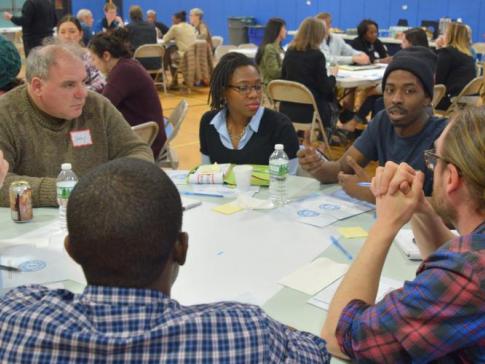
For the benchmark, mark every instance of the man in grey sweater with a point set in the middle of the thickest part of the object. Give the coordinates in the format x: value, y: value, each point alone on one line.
x: 53, y: 119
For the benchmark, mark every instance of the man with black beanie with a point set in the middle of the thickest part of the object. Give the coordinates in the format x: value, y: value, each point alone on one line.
x: 400, y: 133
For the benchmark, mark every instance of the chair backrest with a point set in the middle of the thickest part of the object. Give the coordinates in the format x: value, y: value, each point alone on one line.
x: 177, y: 117
x: 439, y: 92
x: 149, y: 51
x: 291, y: 91
x: 472, y: 88
x: 147, y: 131
x: 217, y: 41
x: 247, y: 45
x: 469, y: 95
x: 222, y: 50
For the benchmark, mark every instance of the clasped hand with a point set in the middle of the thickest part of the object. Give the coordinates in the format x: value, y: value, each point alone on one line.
x: 398, y: 190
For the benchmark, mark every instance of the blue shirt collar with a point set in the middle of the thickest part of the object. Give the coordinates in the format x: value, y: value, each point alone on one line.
x: 219, y: 121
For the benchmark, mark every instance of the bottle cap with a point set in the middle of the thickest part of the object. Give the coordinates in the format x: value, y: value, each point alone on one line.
x: 66, y: 166
x: 279, y: 147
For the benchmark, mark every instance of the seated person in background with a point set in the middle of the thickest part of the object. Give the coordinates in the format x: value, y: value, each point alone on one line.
x: 152, y: 18
x: 129, y: 87
x: 54, y: 119
x: 270, y: 52
x: 85, y: 17
x: 306, y: 64
x: 414, y: 37
x: 126, y: 313
x: 440, y: 315
x: 184, y: 36
x: 111, y: 20
x: 400, y: 133
x: 141, y: 32
x: 336, y: 50
x: 368, y: 42
x: 10, y: 64
x: 456, y: 66
x: 3, y: 168
x: 200, y: 26
x: 69, y: 30
x: 238, y: 129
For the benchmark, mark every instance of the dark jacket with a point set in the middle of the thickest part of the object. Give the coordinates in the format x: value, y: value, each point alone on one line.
x: 141, y: 33
x: 454, y: 70
x: 309, y: 68
x: 374, y: 51
x: 37, y: 21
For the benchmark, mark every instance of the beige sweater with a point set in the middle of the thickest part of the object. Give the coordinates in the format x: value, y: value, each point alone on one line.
x: 183, y: 34
x: 36, y: 144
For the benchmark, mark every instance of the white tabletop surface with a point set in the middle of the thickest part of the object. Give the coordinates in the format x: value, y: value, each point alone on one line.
x: 235, y: 257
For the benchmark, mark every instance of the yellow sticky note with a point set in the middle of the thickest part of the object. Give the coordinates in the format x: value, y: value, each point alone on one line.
x: 227, y: 209
x: 352, y: 232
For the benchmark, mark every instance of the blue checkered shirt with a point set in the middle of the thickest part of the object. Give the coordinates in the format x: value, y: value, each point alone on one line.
x: 119, y: 325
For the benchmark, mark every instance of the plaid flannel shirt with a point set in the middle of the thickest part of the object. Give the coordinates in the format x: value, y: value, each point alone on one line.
x: 439, y: 316
x: 120, y: 325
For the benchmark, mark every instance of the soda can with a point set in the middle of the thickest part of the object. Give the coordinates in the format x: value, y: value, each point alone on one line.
x: 21, y: 201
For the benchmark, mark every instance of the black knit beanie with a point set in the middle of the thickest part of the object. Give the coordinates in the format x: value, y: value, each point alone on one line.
x: 420, y: 61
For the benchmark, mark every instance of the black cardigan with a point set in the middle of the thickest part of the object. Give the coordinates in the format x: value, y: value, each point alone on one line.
x: 360, y: 44
x: 275, y: 128
x: 309, y: 68
x: 454, y: 70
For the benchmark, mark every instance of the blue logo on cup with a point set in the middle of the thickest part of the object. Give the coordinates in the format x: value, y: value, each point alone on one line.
x: 329, y: 206
x: 307, y: 213
x: 32, y: 266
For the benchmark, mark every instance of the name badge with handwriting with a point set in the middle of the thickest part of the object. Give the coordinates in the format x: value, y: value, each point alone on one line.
x: 81, y: 138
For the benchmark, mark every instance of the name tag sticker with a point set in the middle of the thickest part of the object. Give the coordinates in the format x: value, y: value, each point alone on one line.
x: 81, y: 138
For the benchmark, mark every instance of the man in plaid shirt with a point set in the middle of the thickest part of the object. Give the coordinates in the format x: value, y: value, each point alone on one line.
x: 440, y: 315
x: 124, y: 222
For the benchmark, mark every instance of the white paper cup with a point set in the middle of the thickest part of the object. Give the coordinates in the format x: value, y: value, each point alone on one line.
x: 243, y: 177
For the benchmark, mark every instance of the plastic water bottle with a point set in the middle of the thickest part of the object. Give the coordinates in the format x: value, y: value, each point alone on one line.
x: 66, y: 181
x: 278, y: 172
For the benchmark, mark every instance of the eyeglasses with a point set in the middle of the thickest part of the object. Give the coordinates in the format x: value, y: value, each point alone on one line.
x: 431, y: 159
x: 246, y: 89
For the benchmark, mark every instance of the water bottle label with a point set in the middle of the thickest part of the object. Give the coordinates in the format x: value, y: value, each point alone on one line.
x: 64, y: 192
x: 279, y: 170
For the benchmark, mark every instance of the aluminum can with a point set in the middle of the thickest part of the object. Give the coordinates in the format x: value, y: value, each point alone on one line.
x: 21, y: 201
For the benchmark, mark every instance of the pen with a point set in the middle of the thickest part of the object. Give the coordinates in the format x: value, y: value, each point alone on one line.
x: 364, y: 184
x: 202, y: 194
x: 9, y: 268
x: 340, y: 247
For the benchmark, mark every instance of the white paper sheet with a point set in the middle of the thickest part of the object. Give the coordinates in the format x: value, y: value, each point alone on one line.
x: 37, y: 265
x: 314, y: 276
x: 242, y: 255
x: 325, y: 210
x: 323, y: 298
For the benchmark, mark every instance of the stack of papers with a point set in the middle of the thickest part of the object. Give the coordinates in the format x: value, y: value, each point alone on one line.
x: 323, y: 298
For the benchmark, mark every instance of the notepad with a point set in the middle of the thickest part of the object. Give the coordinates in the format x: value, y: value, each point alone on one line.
x: 315, y: 276
x: 228, y: 208
x: 352, y: 232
